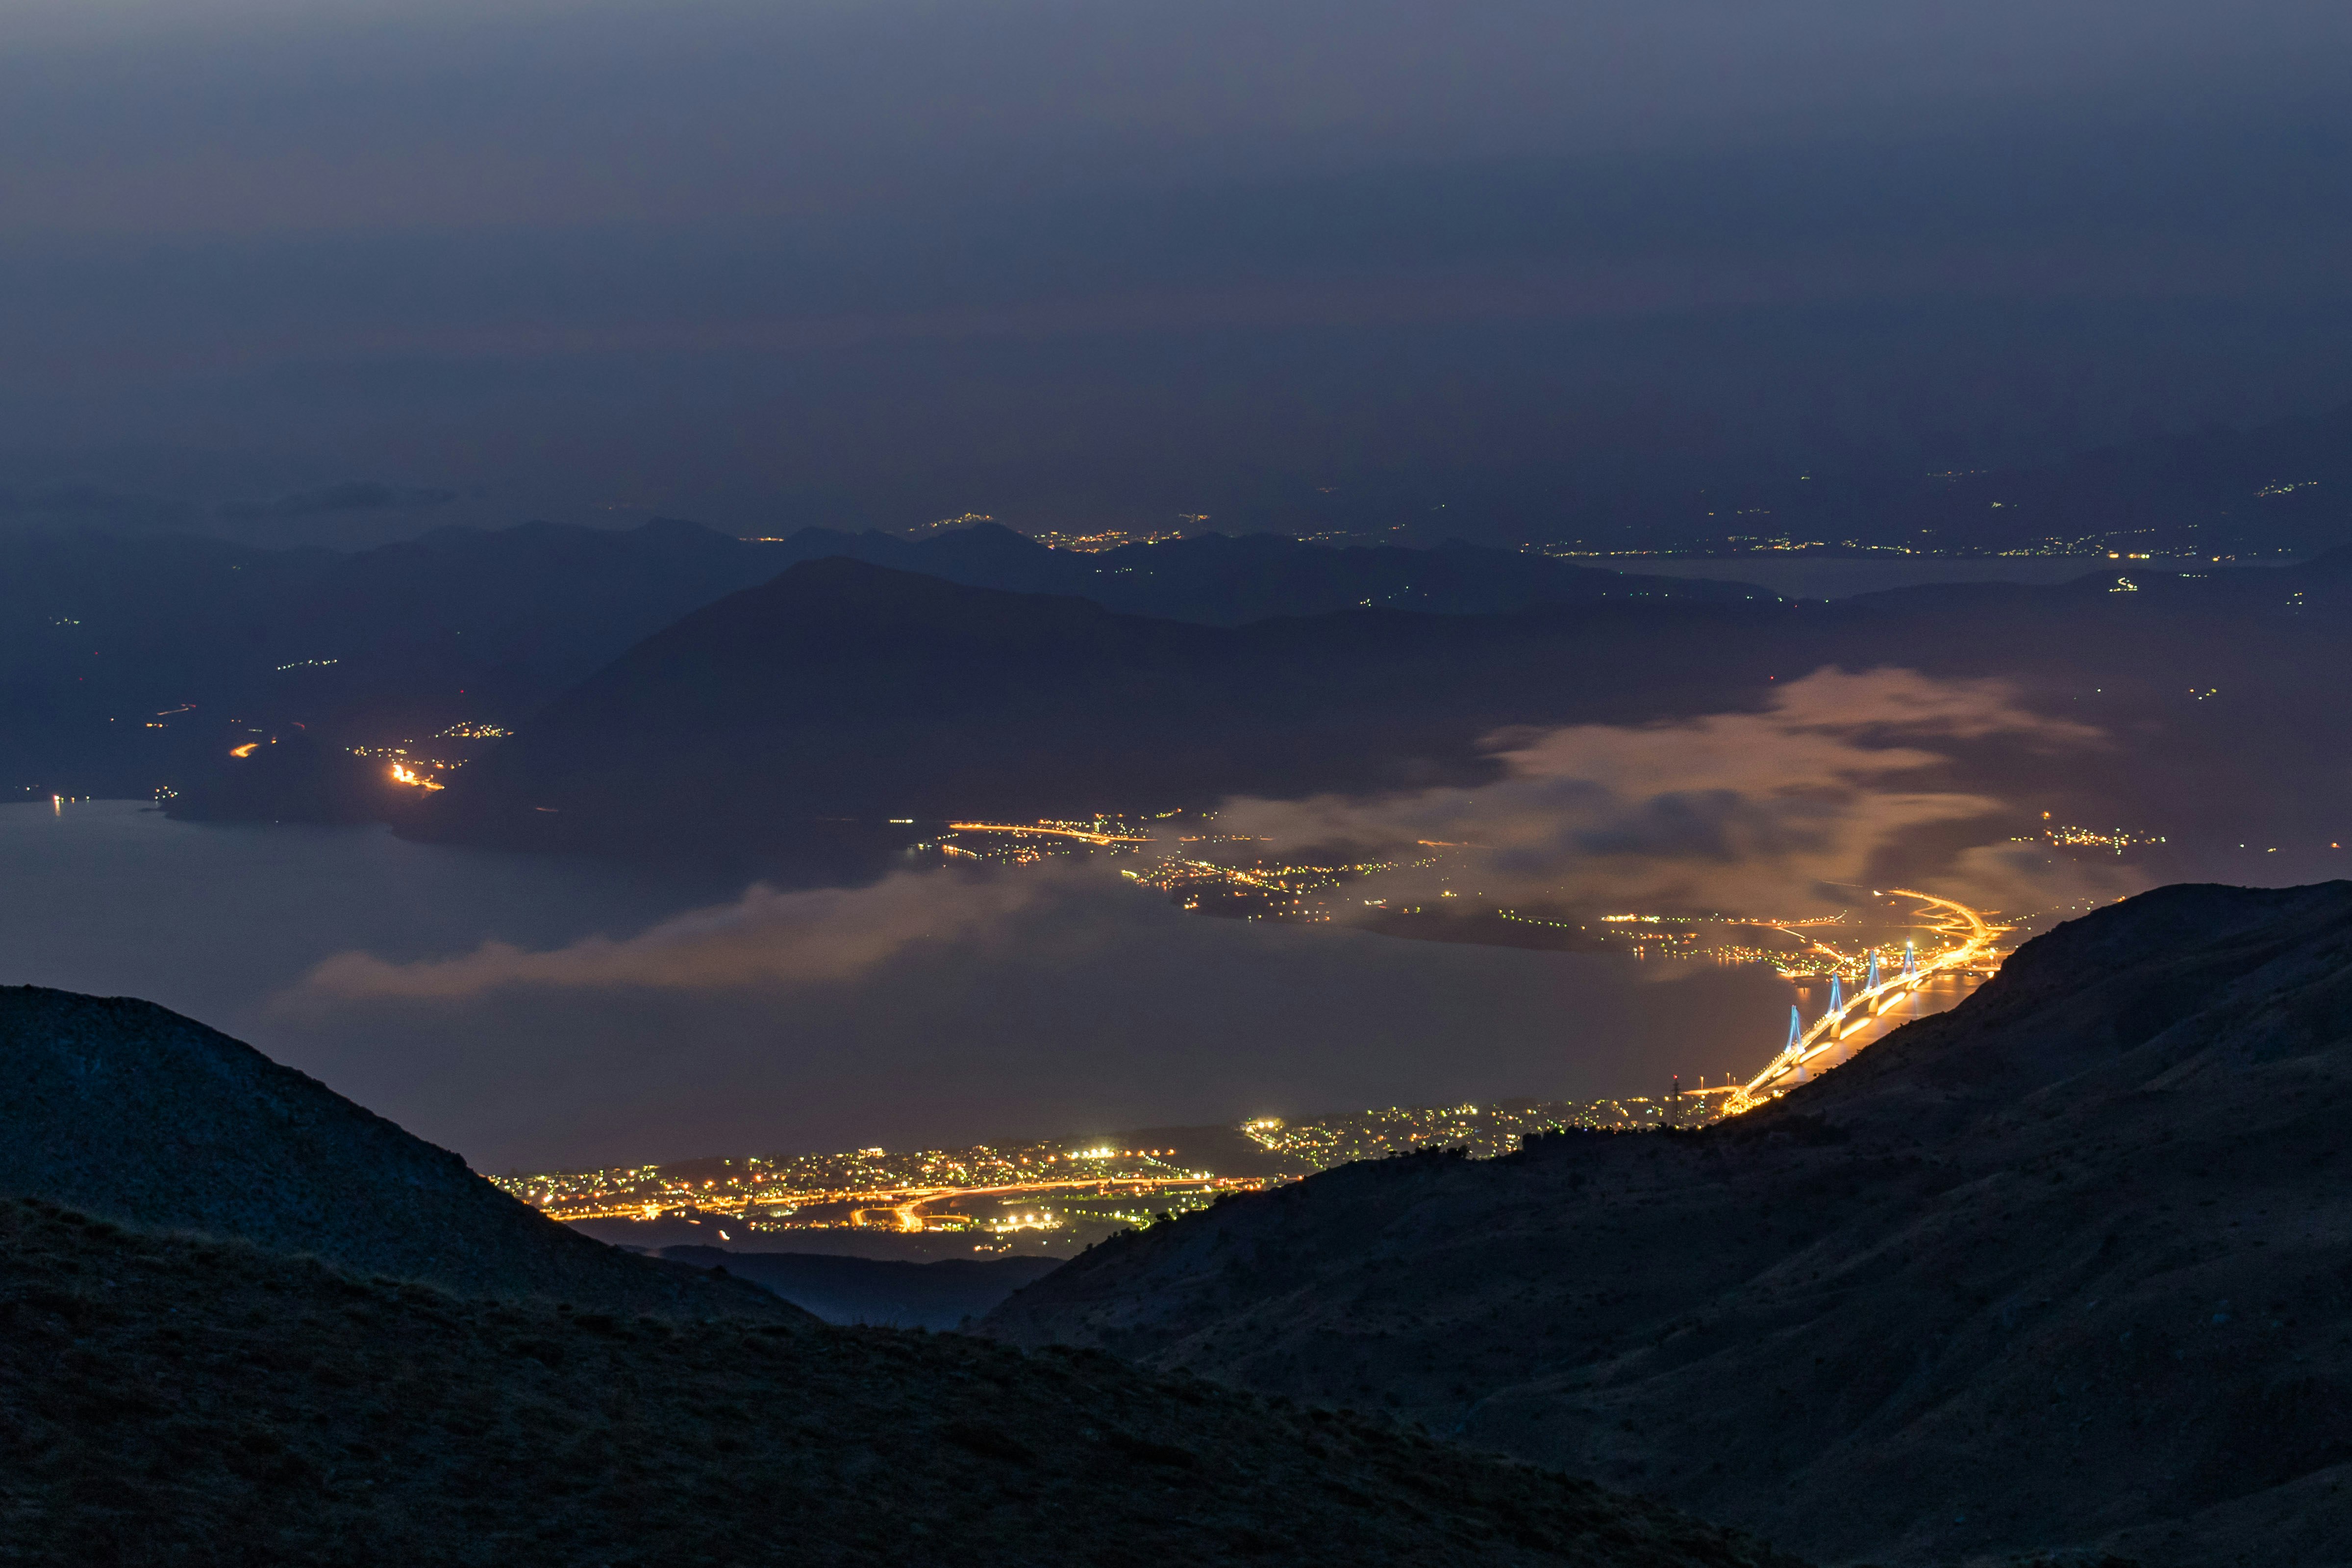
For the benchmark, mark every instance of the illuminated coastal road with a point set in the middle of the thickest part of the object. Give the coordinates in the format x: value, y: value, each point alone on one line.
x: 1824, y: 1044
x: 905, y: 1204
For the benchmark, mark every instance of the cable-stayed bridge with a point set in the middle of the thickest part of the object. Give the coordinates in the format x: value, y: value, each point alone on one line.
x: 1885, y: 986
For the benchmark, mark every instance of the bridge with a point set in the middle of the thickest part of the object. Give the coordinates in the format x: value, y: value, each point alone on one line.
x: 1050, y: 830
x: 1820, y: 1047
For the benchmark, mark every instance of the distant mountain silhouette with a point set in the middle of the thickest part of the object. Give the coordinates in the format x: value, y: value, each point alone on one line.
x: 786, y: 724
x: 1225, y: 582
x: 125, y: 1109
x: 2280, y: 487
x: 2063, y: 1268
x: 808, y: 711
x: 129, y: 663
x: 302, y: 656
x: 126, y: 663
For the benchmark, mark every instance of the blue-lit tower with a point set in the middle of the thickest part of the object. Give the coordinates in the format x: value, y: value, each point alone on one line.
x: 1796, y: 1030
x: 1910, y: 959
x: 1870, y: 981
x: 1837, y: 993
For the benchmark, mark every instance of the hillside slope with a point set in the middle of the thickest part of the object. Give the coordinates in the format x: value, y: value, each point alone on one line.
x: 130, y: 662
x: 127, y: 1109
x: 842, y: 694
x: 169, y: 1400
x: 2069, y: 1265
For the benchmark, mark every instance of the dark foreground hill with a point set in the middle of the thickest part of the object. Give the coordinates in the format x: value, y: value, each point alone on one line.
x: 2070, y: 1266
x: 172, y: 1400
x: 124, y: 1109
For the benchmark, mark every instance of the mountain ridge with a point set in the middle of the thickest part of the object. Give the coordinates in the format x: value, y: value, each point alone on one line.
x: 129, y: 1111
x: 177, y: 1398
x: 2067, y: 1266
x: 844, y: 691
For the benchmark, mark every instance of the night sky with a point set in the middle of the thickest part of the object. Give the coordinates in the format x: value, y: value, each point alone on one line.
x: 331, y: 275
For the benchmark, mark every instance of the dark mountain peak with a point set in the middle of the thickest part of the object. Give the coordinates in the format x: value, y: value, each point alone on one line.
x: 124, y: 1109
x: 982, y: 536
x: 840, y: 612
x: 2159, y: 926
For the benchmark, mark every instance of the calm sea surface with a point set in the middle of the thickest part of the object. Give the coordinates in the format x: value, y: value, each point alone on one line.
x: 1092, y: 1009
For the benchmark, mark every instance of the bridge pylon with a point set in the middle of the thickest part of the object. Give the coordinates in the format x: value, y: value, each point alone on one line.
x: 1837, y: 994
x: 1870, y: 980
x: 1796, y: 1030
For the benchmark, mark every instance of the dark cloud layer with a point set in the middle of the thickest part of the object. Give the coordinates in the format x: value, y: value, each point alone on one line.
x: 860, y: 260
x: 1842, y: 780
x: 1061, y: 995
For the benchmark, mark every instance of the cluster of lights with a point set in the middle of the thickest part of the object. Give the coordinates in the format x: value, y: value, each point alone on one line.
x: 1267, y: 889
x: 2067, y: 835
x: 870, y: 1188
x: 1481, y: 1132
x: 428, y: 773
x: 412, y: 772
x: 1105, y: 539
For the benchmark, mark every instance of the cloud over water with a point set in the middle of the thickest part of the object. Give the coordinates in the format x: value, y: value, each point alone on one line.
x: 1842, y: 779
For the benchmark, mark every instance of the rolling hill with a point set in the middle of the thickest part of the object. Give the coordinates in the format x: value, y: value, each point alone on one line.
x: 130, y: 663
x: 2069, y: 1267
x: 171, y: 1399
x: 124, y: 1110
x: 786, y: 727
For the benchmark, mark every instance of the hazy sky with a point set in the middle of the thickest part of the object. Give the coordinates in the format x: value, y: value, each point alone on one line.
x: 877, y: 260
